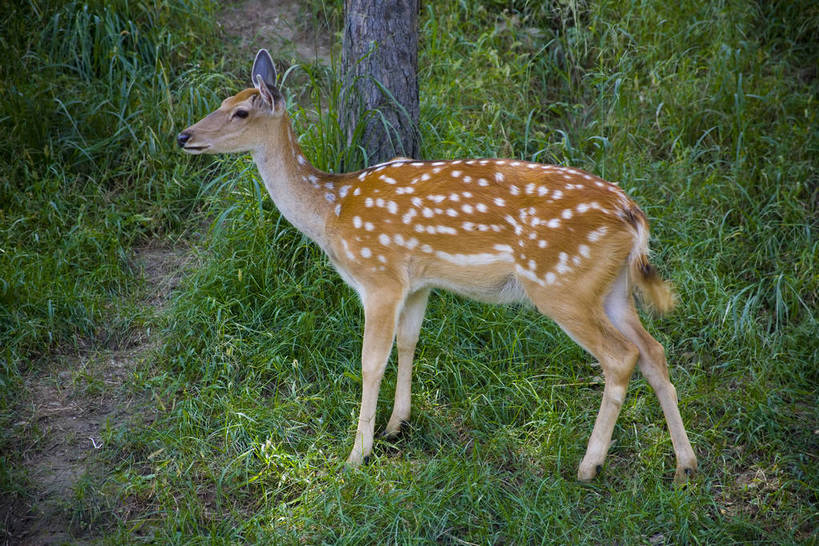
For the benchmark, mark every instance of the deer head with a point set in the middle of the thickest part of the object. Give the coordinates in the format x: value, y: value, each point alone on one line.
x: 243, y: 120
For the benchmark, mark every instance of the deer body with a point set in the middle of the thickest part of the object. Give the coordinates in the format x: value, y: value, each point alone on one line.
x: 495, y: 230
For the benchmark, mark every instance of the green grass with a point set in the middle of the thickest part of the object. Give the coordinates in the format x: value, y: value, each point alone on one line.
x: 705, y: 112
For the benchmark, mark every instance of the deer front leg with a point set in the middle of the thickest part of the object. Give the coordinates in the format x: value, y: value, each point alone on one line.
x: 380, y: 315
x: 409, y: 327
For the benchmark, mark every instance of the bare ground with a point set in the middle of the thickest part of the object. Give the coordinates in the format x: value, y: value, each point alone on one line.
x: 68, y: 405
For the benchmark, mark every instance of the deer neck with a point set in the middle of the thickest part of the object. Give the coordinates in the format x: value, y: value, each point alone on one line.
x: 303, y: 194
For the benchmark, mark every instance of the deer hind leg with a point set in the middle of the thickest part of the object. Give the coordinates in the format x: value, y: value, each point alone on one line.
x: 409, y: 328
x: 619, y: 306
x: 585, y: 321
x: 381, y: 309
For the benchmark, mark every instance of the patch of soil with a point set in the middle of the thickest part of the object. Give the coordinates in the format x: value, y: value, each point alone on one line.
x: 68, y: 406
x: 281, y: 26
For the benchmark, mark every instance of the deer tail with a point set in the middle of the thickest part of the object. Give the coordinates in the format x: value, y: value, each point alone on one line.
x: 654, y: 292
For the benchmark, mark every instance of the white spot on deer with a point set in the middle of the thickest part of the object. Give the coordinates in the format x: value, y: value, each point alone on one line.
x: 384, y: 239
x: 483, y: 258
x: 595, y: 235
x: 553, y: 223
x: 467, y: 179
x: 467, y: 194
x: 456, y: 174
x: 436, y: 170
x: 481, y: 207
x: 438, y: 163
x: 419, y: 228
x: 567, y: 214
x: 382, y: 259
x: 542, y: 243
x: 530, y: 189
x: 562, y: 266
x: 338, y: 210
x: 398, y: 239
x: 583, y: 207
x: 557, y: 194
x: 532, y: 265
x: 366, y: 252
x: 542, y: 190
x: 454, y: 197
x: 357, y: 191
x: 368, y: 202
x: 392, y: 207
x: 584, y: 251
x: 426, y: 248
x: 446, y: 230
x: 388, y: 179
x: 550, y: 278
x: 528, y: 274
x: 409, y: 215
x: 427, y: 212
x: 500, y: 162
x: 425, y: 177
x: 496, y: 228
x: 357, y: 221
x: 467, y: 208
x: 456, y: 162
x: 346, y: 246
x: 451, y: 212
x: 369, y: 226
x: 514, y: 190
x: 379, y: 202
x: 469, y: 226
x: 301, y: 159
x: 576, y: 260
x: 330, y: 197
x: 499, y: 202
x: 417, y: 164
x: 498, y: 174
x: 503, y: 248
x: 436, y: 198
x: 342, y: 191
x: 417, y: 201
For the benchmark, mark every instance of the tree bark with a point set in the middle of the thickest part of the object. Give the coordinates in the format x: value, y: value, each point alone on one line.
x: 379, y: 64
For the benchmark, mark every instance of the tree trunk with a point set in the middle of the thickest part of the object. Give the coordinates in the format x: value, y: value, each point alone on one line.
x: 380, y: 52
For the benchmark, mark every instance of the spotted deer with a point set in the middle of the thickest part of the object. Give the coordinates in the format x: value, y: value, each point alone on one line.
x: 496, y: 230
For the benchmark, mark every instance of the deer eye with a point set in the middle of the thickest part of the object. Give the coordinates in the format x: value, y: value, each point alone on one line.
x: 240, y: 114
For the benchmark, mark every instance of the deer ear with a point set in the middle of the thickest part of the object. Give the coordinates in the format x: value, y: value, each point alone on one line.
x: 263, y: 68
x: 263, y: 75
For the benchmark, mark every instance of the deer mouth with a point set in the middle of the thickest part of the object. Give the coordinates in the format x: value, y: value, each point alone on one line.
x: 194, y: 149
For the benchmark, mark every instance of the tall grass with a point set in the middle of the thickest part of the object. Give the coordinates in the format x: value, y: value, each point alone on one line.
x: 704, y: 112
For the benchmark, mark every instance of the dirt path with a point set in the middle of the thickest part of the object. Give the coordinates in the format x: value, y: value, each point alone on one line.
x: 68, y: 405
x: 61, y: 421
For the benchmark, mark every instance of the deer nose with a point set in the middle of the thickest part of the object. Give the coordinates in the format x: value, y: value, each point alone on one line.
x: 182, y: 138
